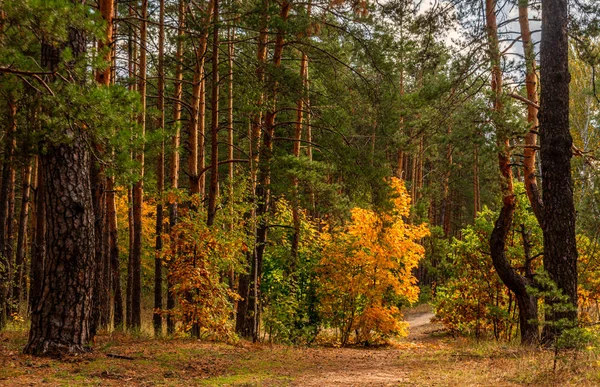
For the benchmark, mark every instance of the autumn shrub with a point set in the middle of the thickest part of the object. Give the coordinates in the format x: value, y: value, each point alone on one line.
x: 473, y: 300
x: 367, y: 271
x: 199, y: 259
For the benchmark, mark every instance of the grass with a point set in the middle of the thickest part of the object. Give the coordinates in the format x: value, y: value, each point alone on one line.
x: 435, y: 361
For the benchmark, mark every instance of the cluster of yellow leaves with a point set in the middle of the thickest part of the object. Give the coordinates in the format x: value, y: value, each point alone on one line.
x: 367, y: 267
x: 197, y: 256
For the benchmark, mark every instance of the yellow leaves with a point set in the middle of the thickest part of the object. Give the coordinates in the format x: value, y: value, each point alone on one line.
x: 368, y: 263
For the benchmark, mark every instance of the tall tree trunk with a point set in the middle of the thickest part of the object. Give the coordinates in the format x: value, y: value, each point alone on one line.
x: 197, y: 123
x: 160, y: 173
x: 175, y: 159
x: 19, y: 283
x: 38, y: 248
x: 230, y: 141
x: 516, y: 283
x: 529, y: 169
x: 296, y: 153
x: 101, y: 310
x: 263, y: 193
x: 476, y: 190
x: 446, y: 204
x: 7, y: 190
x: 560, y: 250
x: 244, y: 316
x: 213, y: 191
x: 115, y: 264
x: 138, y: 189
x: 60, y: 320
x: 132, y: 71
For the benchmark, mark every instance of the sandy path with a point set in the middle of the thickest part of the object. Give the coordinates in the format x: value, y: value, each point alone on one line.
x: 367, y: 367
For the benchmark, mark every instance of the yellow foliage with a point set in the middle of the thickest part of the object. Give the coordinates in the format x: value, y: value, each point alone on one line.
x: 367, y: 268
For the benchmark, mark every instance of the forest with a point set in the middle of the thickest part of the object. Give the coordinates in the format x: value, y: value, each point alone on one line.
x: 299, y: 192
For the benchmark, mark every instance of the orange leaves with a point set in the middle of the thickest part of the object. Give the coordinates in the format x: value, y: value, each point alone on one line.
x: 366, y: 270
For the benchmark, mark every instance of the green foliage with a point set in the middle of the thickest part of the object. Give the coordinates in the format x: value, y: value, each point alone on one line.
x: 289, y: 284
x: 473, y: 300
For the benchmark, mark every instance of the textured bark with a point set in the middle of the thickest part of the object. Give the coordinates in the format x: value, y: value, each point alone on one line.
x: 60, y: 320
x: 515, y: 282
x: 560, y: 252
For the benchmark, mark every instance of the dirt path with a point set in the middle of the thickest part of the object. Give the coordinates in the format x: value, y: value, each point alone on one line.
x: 375, y: 367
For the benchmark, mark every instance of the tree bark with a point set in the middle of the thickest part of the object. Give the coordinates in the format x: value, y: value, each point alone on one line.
x: 560, y: 250
x: 60, y: 320
x: 529, y: 169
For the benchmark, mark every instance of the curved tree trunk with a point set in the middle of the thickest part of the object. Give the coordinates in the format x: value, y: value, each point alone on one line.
x: 515, y: 282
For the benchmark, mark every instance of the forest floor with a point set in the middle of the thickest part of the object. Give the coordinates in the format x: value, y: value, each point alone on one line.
x: 427, y: 357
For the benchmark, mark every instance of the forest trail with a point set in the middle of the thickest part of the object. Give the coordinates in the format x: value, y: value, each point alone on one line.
x: 428, y: 356
x: 373, y: 367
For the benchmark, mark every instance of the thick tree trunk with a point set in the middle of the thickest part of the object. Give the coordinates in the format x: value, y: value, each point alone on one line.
x: 560, y: 250
x: 60, y: 321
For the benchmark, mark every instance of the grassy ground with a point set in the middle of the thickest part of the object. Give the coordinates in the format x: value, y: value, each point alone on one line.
x: 423, y: 359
